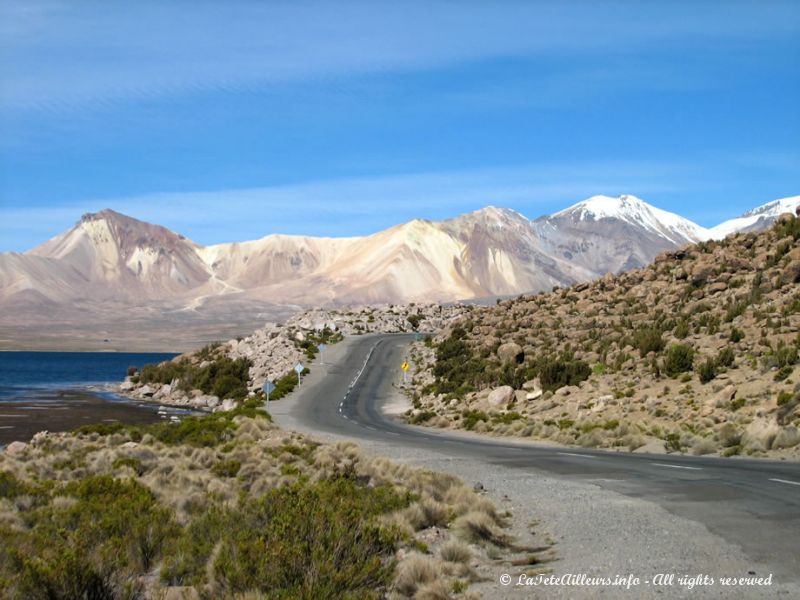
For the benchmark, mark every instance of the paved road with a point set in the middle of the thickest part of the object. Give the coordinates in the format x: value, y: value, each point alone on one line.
x: 752, y: 503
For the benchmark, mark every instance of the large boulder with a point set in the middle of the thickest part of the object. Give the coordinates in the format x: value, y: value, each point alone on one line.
x: 788, y: 437
x: 501, y: 396
x: 510, y: 352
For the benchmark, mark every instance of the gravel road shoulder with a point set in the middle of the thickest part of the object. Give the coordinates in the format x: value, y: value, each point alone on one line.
x: 595, y: 531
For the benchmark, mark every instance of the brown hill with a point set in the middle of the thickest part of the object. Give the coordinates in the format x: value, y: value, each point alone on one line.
x: 695, y: 353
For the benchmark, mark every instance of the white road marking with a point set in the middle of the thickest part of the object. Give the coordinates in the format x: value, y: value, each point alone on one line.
x: 574, y: 454
x: 786, y: 481
x: 677, y: 467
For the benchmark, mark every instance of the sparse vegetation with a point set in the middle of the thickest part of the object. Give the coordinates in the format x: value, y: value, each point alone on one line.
x: 129, y: 512
x: 215, y: 374
x: 720, y: 319
x: 679, y: 359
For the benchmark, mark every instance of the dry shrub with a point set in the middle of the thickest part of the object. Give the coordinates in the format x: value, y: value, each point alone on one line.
x: 479, y: 528
x: 455, y: 551
x: 463, y: 500
x: 702, y: 446
x: 413, y: 572
x: 436, y: 590
x: 633, y: 441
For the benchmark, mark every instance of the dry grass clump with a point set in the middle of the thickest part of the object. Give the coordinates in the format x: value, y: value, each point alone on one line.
x: 436, y: 590
x: 455, y: 551
x: 480, y: 528
x: 702, y: 446
x: 414, y: 571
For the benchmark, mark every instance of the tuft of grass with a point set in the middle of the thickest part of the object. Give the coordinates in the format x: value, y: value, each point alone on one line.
x: 456, y: 552
x: 414, y: 572
x: 479, y: 528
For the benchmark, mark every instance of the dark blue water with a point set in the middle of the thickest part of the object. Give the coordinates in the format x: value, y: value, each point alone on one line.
x: 30, y: 370
x: 59, y: 391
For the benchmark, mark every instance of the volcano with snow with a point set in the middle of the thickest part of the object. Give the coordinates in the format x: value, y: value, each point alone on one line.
x: 605, y: 234
x: 757, y: 219
x: 115, y: 275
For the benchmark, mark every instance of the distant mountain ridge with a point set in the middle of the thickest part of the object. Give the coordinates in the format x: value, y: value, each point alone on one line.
x: 109, y: 262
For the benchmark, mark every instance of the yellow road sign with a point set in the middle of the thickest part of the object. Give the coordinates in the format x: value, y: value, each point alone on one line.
x: 404, y: 366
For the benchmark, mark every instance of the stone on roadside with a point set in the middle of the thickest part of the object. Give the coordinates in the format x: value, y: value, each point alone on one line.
x: 501, y: 396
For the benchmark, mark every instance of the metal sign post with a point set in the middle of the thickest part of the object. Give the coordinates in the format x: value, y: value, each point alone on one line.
x: 322, y: 348
x: 298, y: 368
x: 404, y: 366
x: 268, y: 387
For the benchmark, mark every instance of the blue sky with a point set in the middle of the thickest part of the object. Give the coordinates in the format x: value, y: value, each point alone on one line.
x: 230, y: 121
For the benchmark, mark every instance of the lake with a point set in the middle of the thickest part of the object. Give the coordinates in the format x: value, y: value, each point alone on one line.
x: 58, y: 391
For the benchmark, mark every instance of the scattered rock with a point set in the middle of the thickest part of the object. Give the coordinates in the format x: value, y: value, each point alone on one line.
x: 510, y: 352
x: 788, y: 437
x: 501, y: 396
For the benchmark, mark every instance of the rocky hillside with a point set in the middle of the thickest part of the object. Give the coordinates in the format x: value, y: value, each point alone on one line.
x: 219, y: 375
x: 695, y: 353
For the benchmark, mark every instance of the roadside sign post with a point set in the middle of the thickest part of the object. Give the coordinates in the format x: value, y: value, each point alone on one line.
x: 404, y: 366
x: 268, y: 387
x: 322, y: 348
x: 298, y: 368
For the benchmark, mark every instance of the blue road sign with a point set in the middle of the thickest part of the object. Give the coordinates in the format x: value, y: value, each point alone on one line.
x: 322, y: 347
x: 298, y: 368
x: 269, y: 387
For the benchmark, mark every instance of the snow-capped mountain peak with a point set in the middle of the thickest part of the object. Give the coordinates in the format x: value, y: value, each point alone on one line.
x: 758, y: 218
x: 637, y: 212
x: 775, y: 208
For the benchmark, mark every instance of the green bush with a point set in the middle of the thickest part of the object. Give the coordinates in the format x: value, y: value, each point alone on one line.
x: 737, y: 335
x: 414, y: 320
x: 506, y: 418
x: 707, y: 370
x: 423, y: 417
x: 681, y: 330
x: 783, y: 373
x: 92, y: 548
x: 206, y: 431
x: 471, y: 418
x: 725, y: 357
x: 457, y: 369
x: 556, y: 373
x: 648, y: 340
x: 318, y: 540
x: 224, y: 377
x: 679, y: 359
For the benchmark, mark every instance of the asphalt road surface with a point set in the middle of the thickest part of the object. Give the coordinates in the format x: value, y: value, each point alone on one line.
x: 753, y: 503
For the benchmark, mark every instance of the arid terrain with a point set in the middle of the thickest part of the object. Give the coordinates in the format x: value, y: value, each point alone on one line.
x: 113, y: 282
x: 694, y: 353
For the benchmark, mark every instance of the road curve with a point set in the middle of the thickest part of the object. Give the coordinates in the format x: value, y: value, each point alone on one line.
x: 752, y: 503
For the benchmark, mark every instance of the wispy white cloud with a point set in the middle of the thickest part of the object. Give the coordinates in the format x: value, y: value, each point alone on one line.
x: 58, y: 54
